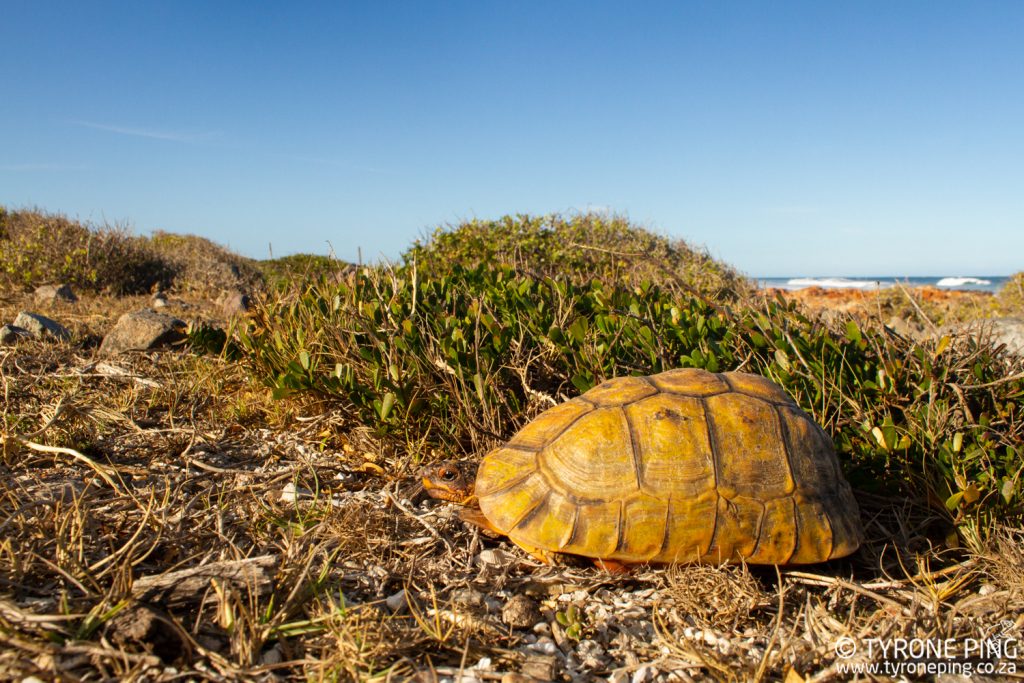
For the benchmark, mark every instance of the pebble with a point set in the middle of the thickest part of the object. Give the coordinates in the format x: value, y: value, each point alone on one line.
x: 520, y: 612
x: 643, y: 674
x: 272, y: 656
x: 396, y: 602
x: 545, y: 646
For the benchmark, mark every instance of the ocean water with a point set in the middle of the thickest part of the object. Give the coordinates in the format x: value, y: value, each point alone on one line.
x: 986, y: 283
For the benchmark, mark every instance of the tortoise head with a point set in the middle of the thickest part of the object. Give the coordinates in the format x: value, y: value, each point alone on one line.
x: 450, y: 480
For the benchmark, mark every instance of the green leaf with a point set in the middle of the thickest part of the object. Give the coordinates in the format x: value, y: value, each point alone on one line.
x: 853, y: 332
x: 781, y: 359
x: 1007, y: 490
x: 386, y: 405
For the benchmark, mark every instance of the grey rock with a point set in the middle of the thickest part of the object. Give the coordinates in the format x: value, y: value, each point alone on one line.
x: 142, y: 330
x: 235, y: 303
x: 10, y: 334
x: 48, y: 294
x: 159, y: 300
x: 42, y: 327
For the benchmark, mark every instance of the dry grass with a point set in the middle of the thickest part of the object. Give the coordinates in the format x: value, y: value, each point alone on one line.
x: 203, y: 532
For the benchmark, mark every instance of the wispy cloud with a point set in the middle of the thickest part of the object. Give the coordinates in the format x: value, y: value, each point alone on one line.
x: 42, y: 167
x: 153, y: 133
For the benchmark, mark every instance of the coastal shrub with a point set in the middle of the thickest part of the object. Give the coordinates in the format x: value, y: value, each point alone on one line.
x: 285, y: 271
x: 1011, y: 294
x: 581, y: 247
x: 202, y: 266
x: 42, y: 248
x: 39, y: 248
x: 458, y: 362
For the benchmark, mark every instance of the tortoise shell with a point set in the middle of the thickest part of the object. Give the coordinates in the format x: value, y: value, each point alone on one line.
x: 682, y: 466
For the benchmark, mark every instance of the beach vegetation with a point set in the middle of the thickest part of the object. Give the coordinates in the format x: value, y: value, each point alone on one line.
x: 247, y: 505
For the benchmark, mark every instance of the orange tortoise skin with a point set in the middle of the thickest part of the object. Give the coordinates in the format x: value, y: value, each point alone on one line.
x: 683, y: 466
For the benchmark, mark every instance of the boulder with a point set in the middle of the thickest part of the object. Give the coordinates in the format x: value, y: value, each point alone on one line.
x: 142, y: 330
x: 42, y: 327
x: 48, y: 294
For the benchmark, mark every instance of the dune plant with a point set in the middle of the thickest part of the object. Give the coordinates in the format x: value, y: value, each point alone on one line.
x: 41, y: 248
x: 462, y: 360
x: 580, y: 248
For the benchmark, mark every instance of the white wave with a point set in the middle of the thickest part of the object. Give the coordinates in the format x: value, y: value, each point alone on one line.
x: 961, y: 281
x: 833, y: 283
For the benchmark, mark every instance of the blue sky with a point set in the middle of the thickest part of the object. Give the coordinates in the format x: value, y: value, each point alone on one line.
x: 817, y: 138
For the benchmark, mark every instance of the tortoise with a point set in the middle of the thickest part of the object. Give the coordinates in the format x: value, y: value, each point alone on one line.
x: 682, y: 466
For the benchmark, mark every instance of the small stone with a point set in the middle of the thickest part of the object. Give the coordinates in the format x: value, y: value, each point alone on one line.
x: 159, y: 300
x: 235, y: 303
x: 41, y: 327
x: 643, y: 674
x: 469, y: 597
x: 520, y: 612
x: 272, y: 656
x: 539, y: 667
x: 396, y: 602
x: 10, y: 334
x: 545, y: 645
x: 48, y: 294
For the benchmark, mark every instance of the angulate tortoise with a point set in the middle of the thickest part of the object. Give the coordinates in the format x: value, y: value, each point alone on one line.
x: 683, y: 466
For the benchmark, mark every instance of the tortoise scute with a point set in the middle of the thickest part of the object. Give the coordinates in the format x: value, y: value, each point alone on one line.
x: 502, y: 468
x: 672, y: 445
x: 749, y: 448
x: 642, y: 533
x: 682, y: 466
x: 617, y: 392
x: 608, y: 470
x: 508, y: 507
x: 690, y: 382
x: 778, y: 532
x: 759, y: 387
x: 552, y: 422
x: 738, y: 526
x: 552, y: 519
x: 596, y: 532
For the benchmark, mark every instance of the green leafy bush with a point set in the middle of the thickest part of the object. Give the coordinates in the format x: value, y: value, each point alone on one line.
x: 38, y: 248
x: 1011, y: 294
x: 462, y: 360
x: 583, y: 247
x: 202, y: 266
x: 301, y: 269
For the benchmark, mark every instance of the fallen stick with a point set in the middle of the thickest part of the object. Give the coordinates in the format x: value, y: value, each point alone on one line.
x: 186, y: 585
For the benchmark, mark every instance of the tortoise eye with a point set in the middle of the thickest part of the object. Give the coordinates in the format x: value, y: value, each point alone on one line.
x: 448, y: 474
